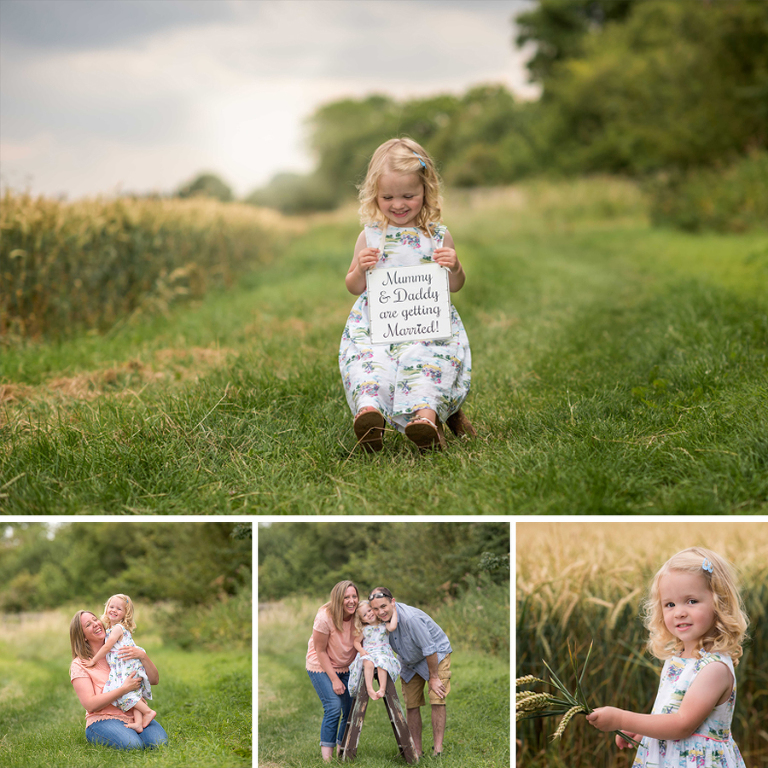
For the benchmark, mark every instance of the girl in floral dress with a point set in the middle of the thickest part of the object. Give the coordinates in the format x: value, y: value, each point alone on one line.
x: 697, y: 625
x: 373, y: 652
x: 415, y: 386
x: 118, y: 623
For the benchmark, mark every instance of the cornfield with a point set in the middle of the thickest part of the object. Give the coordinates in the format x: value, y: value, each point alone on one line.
x: 585, y: 582
x: 90, y: 263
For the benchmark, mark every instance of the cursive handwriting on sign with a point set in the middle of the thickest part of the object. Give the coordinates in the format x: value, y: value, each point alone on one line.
x: 409, y: 304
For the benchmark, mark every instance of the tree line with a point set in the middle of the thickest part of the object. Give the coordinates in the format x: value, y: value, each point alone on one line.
x: 654, y: 89
x: 422, y: 563
x: 188, y: 564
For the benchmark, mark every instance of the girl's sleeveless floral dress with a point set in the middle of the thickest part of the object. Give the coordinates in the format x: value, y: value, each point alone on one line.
x: 379, y: 651
x: 120, y: 669
x: 712, y: 746
x: 399, y: 379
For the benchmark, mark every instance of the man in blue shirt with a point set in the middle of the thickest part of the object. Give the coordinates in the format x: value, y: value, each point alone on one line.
x: 424, y: 652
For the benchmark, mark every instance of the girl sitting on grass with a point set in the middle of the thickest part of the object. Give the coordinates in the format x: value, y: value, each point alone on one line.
x: 697, y: 625
x: 119, y: 624
x: 415, y: 386
x: 373, y: 652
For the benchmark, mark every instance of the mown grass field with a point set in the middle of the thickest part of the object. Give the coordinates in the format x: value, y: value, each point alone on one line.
x: 203, y: 702
x: 617, y: 368
x: 290, y: 713
x: 584, y: 582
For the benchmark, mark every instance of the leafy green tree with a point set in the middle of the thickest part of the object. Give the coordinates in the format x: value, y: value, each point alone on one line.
x: 293, y: 193
x: 206, y: 185
x: 185, y: 563
x: 420, y: 562
x: 669, y: 85
x: 560, y: 28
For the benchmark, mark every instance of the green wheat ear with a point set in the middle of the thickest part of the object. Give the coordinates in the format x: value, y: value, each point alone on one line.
x: 536, y: 704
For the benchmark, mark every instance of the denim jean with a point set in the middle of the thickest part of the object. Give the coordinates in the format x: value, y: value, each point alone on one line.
x: 335, y: 708
x: 114, y: 733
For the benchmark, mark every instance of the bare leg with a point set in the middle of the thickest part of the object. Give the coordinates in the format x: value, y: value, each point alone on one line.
x: 147, y: 714
x: 137, y: 718
x: 438, y: 726
x: 327, y: 753
x: 368, y: 674
x: 426, y: 413
x: 413, y: 716
x: 382, y: 683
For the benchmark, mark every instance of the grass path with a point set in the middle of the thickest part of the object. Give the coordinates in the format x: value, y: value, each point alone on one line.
x: 203, y: 702
x: 478, y: 714
x: 616, y: 369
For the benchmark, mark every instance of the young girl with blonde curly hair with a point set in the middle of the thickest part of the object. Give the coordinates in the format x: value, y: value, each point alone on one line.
x: 374, y: 653
x: 697, y: 624
x: 415, y: 386
x: 119, y: 624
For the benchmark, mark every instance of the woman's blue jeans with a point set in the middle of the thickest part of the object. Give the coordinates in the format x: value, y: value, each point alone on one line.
x: 335, y: 708
x: 114, y: 733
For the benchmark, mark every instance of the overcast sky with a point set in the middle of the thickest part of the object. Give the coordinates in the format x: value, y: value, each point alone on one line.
x: 102, y: 96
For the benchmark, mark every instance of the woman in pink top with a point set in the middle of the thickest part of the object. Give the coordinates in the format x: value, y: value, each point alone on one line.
x: 330, y: 651
x: 104, y: 722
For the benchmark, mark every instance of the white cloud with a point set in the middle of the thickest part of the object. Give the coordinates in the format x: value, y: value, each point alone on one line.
x: 230, y: 92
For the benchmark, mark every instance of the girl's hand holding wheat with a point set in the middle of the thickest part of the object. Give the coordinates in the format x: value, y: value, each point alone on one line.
x: 606, y: 718
x: 622, y: 743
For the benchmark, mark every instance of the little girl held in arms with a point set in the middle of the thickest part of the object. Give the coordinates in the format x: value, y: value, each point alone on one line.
x: 697, y: 625
x: 415, y: 386
x: 373, y: 651
x: 118, y: 622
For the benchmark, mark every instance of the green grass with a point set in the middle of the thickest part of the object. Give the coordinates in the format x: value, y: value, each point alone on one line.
x: 203, y: 702
x: 477, y: 729
x: 616, y: 369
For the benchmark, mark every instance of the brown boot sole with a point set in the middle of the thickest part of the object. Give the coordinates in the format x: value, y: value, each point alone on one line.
x: 369, y: 431
x: 425, y: 435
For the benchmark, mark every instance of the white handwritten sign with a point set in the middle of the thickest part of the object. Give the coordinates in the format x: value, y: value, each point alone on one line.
x: 409, y: 304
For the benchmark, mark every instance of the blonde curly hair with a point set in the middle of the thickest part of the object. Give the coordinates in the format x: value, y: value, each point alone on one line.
x: 403, y: 155
x: 128, y: 621
x: 730, y: 627
x: 358, y: 629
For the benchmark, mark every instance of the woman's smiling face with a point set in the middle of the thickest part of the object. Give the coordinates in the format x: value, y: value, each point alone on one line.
x: 92, y: 629
x: 350, y: 601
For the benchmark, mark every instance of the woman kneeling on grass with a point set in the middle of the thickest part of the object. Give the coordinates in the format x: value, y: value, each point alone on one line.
x: 105, y: 723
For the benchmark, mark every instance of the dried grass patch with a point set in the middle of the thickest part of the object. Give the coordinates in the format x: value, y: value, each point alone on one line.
x: 168, y: 367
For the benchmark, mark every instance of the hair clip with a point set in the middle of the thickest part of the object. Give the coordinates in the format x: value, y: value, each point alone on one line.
x: 707, y: 566
x: 421, y: 159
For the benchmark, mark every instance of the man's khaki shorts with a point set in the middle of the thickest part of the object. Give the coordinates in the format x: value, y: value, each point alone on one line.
x: 413, y: 691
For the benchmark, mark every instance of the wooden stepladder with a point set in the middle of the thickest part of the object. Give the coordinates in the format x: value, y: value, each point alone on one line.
x: 396, y: 718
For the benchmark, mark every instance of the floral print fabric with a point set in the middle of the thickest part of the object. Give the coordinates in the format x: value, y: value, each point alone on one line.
x: 378, y: 650
x: 712, y: 746
x: 120, y: 669
x: 399, y: 379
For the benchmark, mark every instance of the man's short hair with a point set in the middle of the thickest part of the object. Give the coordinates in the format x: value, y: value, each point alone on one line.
x: 380, y: 592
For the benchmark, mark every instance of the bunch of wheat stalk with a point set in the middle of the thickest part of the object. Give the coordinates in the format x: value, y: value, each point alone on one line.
x: 535, y: 704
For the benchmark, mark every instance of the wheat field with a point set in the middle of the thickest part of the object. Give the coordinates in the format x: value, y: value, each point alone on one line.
x: 583, y: 582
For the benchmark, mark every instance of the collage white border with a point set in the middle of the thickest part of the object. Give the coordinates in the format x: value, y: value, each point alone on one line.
x: 256, y: 519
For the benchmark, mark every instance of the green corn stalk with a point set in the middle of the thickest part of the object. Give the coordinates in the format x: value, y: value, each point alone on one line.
x: 532, y: 704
